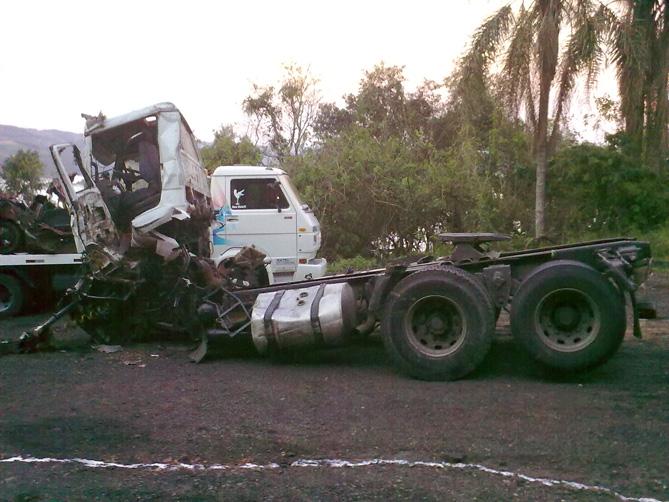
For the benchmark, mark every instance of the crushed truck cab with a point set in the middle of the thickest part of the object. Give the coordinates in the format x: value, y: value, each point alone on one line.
x: 143, y: 185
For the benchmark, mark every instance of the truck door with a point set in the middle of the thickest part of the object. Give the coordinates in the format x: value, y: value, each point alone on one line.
x: 261, y: 214
x: 92, y: 224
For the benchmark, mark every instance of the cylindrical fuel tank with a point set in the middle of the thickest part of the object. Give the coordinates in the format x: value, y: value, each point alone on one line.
x: 309, y: 317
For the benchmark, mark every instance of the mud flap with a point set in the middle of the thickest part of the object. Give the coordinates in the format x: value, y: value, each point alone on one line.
x: 635, y: 315
x: 616, y: 270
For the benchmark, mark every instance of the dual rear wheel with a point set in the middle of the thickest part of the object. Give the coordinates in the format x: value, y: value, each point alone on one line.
x: 439, y: 323
x: 568, y: 316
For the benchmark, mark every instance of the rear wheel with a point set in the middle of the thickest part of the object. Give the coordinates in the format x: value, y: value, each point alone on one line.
x: 11, y: 296
x: 11, y: 237
x: 438, y: 324
x: 568, y: 316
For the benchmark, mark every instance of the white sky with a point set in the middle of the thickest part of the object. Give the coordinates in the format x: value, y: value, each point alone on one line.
x: 61, y: 58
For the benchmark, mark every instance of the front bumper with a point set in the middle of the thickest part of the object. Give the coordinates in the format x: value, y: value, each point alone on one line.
x: 313, y: 269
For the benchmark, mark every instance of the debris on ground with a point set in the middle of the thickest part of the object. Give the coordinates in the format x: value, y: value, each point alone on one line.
x: 108, y: 349
x: 139, y: 363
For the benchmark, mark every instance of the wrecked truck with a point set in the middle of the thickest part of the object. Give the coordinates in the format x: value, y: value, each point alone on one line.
x: 149, y: 271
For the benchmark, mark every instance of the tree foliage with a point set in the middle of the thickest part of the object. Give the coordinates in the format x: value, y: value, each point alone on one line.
x: 380, y: 185
x: 383, y: 106
x: 22, y: 174
x: 228, y: 149
x: 283, y: 116
x: 641, y: 54
x: 383, y: 197
x: 387, y: 168
x: 541, y: 49
x: 602, y: 189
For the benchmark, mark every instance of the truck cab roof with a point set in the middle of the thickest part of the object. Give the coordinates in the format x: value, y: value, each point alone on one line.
x: 247, y: 171
x: 96, y: 124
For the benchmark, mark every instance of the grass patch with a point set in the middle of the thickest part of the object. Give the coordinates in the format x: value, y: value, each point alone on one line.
x: 356, y: 264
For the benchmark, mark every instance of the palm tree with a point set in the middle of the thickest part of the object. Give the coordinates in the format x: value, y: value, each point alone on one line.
x: 538, y: 66
x: 641, y: 54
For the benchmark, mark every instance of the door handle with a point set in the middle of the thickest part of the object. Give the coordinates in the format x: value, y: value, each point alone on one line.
x: 232, y: 218
x: 287, y: 217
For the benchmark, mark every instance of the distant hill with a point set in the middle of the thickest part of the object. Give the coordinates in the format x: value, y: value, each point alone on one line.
x: 13, y: 139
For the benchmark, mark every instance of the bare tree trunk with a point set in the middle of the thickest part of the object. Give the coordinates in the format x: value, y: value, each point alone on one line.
x: 541, y: 157
x: 634, y: 80
x: 549, y: 35
x: 658, y: 105
x: 540, y: 194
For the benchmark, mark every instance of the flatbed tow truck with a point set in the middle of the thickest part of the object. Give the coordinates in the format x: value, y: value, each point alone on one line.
x: 38, y: 259
x: 35, y: 278
x: 436, y: 315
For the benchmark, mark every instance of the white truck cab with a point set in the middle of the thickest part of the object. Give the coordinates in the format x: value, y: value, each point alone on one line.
x: 259, y: 206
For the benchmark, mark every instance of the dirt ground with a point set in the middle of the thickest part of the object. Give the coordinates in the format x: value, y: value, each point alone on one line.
x: 146, y: 404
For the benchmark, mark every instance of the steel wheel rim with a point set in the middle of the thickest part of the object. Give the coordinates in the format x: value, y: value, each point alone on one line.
x: 567, y: 320
x: 435, y: 326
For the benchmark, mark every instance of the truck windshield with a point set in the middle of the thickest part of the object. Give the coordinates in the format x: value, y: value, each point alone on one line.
x: 292, y: 191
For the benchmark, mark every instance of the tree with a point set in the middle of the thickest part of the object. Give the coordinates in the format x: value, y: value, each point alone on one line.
x: 641, y: 55
x: 22, y: 174
x: 603, y: 190
x: 536, y: 69
x: 395, y: 156
x: 384, y: 197
x: 383, y: 106
x: 284, y: 117
x: 228, y: 149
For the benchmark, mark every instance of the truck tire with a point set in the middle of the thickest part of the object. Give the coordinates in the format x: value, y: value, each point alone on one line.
x: 568, y: 316
x: 11, y: 237
x: 438, y: 324
x: 11, y: 296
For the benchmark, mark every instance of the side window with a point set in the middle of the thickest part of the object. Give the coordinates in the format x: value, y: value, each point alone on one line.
x: 258, y: 193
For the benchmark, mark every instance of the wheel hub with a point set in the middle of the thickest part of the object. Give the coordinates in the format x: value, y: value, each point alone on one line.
x: 566, y: 317
x: 435, y: 325
x: 567, y: 320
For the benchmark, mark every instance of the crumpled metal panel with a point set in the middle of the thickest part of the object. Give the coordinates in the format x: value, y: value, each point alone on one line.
x: 94, y: 220
x: 176, y: 175
x: 173, y: 180
x: 109, y: 123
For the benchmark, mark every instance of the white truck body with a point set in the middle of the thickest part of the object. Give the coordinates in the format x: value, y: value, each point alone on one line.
x: 259, y: 206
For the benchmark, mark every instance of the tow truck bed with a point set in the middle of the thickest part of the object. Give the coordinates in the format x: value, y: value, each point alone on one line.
x: 35, y: 279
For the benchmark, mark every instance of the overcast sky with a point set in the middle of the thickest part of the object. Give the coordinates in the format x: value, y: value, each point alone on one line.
x: 61, y: 58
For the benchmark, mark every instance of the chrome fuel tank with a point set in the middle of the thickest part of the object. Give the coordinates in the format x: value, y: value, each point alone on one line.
x: 310, y: 317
